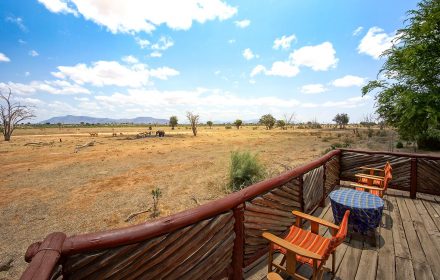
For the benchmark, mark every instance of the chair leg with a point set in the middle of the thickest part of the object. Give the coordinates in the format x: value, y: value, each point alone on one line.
x: 270, y: 260
x: 334, y: 262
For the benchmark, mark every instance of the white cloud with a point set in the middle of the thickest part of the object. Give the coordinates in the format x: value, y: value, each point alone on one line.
x: 132, y: 16
x: 163, y: 43
x: 130, y: 59
x: 156, y: 54
x: 4, y: 58
x: 319, y: 58
x: 142, y: 42
x: 284, y: 42
x: 242, y: 23
x: 21, y: 42
x: 52, y: 87
x: 375, y: 42
x: 248, y: 54
x: 313, y: 88
x: 58, y: 6
x: 18, y: 21
x: 357, y: 31
x: 33, y: 53
x: 352, y: 102
x: 231, y: 41
x: 112, y: 73
x: 349, y: 81
x: 27, y: 74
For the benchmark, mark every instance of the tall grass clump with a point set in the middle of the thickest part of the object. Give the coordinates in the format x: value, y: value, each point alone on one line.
x: 245, y: 170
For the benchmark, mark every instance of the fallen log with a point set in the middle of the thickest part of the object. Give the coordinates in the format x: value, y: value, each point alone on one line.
x: 79, y: 147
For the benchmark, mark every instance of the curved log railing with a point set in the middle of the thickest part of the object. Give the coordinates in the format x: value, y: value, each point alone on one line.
x: 221, y: 238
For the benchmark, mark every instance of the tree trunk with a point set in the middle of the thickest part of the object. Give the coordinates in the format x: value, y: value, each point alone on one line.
x: 7, y: 137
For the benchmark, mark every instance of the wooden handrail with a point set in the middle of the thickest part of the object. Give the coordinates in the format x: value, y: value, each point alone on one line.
x: 398, y: 154
x: 45, y: 257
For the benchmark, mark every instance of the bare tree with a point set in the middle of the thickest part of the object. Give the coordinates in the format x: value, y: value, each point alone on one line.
x: 12, y: 114
x: 194, y: 121
x: 290, y: 120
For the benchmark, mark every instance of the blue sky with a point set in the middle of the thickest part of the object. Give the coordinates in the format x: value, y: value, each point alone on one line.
x: 221, y: 59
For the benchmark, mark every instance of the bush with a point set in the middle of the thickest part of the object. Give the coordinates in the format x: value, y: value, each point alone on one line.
x: 228, y: 127
x: 399, y: 145
x: 245, y: 170
x: 430, y: 140
x: 335, y: 146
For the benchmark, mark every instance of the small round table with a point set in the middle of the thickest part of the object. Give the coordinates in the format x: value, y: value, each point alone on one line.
x: 365, y: 208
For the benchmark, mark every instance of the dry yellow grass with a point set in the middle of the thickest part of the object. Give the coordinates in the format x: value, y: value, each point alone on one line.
x: 51, y: 188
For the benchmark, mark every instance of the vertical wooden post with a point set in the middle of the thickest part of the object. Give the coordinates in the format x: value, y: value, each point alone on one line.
x: 413, y: 179
x: 322, y: 204
x: 238, y: 252
x: 301, y: 191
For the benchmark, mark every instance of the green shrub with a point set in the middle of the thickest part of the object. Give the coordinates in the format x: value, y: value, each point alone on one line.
x: 228, y: 127
x: 430, y: 140
x: 245, y: 170
x: 399, y: 145
x: 335, y: 146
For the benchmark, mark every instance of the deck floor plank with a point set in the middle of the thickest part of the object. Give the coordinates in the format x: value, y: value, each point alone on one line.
x: 401, y: 248
x: 386, y: 266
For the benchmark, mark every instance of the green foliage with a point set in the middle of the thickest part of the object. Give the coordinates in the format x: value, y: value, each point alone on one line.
x: 408, y: 97
x: 335, y: 146
x: 156, y: 193
x: 399, y: 145
x: 281, y: 124
x: 341, y: 120
x: 245, y: 170
x: 268, y: 120
x: 228, y: 126
x: 173, y: 121
x: 209, y: 123
x: 238, y: 123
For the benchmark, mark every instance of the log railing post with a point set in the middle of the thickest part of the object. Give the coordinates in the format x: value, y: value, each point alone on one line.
x: 322, y: 203
x: 413, y: 179
x: 301, y: 191
x: 238, y: 251
x: 45, y: 258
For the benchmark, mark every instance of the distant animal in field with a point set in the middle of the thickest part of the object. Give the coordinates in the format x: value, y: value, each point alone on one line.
x: 121, y: 134
x: 93, y: 134
x: 160, y: 133
x: 114, y: 134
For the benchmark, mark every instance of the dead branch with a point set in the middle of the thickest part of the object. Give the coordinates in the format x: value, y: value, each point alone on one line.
x: 131, y: 216
x: 40, y: 144
x: 194, y: 198
x: 89, y: 144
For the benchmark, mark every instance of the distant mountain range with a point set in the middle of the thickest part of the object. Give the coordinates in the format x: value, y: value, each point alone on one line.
x: 69, y: 119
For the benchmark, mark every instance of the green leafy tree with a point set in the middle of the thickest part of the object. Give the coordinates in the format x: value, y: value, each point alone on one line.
x: 173, y: 121
x: 281, y: 124
x: 341, y: 120
x: 408, y: 94
x: 209, y: 123
x: 268, y: 120
x: 238, y: 123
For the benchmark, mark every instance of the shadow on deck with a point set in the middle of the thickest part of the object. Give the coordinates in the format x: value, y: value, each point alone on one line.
x: 405, y: 246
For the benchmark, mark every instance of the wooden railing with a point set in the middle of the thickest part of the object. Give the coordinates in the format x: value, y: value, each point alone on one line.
x: 221, y: 238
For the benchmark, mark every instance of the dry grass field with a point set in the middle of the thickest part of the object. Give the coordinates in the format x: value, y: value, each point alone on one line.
x: 50, y: 188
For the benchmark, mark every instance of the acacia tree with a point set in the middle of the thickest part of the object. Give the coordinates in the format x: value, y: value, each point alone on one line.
x: 408, y: 94
x: 268, y: 120
x: 289, y: 120
x: 173, y: 121
x: 209, y: 123
x: 238, y: 123
x: 281, y: 124
x: 12, y: 114
x: 341, y: 120
x: 194, y: 121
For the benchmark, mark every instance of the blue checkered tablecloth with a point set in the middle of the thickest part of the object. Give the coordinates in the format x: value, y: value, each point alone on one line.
x: 365, y: 208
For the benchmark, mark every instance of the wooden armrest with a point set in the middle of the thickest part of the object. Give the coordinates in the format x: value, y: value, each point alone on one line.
x: 372, y: 177
x: 371, y: 168
x: 366, y: 187
x: 273, y: 276
x: 315, y: 219
x: 289, y: 246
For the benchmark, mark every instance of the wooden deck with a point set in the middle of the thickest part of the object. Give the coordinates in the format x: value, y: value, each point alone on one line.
x: 407, y: 244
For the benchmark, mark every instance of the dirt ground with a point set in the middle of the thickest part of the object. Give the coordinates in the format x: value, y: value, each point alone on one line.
x: 51, y: 188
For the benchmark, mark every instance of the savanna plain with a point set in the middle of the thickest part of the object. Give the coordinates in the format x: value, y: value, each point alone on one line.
x: 46, y: 186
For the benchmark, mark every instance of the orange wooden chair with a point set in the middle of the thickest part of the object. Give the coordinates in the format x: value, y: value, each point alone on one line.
x: 307, y: 247
x: 273, y: 276
x: 374, y: 184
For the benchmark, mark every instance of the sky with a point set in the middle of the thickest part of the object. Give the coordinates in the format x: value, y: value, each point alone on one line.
x: 221, y: 59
